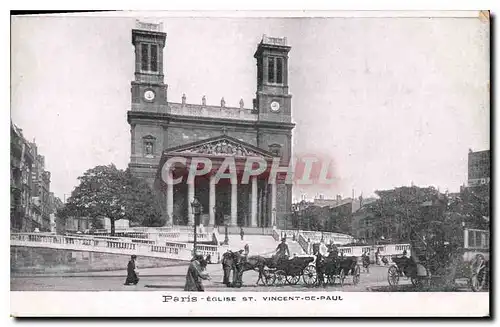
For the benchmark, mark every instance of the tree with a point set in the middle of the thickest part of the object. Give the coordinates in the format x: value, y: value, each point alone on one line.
x: 316, y: 217
x: 472, y: 206
x: 105, y: 191
x: 402, y: 213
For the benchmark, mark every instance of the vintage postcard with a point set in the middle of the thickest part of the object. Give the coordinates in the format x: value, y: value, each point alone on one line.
x: 252, y: 164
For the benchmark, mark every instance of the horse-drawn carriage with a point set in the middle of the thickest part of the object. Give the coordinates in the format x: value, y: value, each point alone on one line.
x: 341, y: 267
x: 443, y: 263
x: 281, y: 271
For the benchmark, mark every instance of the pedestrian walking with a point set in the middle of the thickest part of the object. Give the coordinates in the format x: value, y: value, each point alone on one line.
x: 366, y: 262
x: 132, y: 278
x: 377, y: 262
x: 242, y: 233
x: 196, y: 274
x: 227, y: 262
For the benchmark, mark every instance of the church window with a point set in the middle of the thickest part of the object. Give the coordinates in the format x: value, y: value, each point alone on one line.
x: 259, y: 70
x: 279, y: 70
x: 149, y: 57
x: 154, y: 57
x: 270, y: 70
x: 275, y: 70
x: 144, y: 56
x: 149, y: 146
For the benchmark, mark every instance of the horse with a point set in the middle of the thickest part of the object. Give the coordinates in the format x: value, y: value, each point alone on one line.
x: 259, y: 263
x: 333, y: 265
x: 255, y: 263
x: 231, y: 262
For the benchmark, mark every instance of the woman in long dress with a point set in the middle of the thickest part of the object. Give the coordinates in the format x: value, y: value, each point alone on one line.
x: 132, y: 272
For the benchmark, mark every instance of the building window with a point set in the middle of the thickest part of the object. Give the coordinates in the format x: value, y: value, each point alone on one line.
x: 149, y: 57
x: 149, y: 146
x: 275, y: 149
x: 270, y: 70
x: 275, y: 70
x: 154, y: 57
x: 259, y: 71
x: 144, y: 56
x: 279, y: 70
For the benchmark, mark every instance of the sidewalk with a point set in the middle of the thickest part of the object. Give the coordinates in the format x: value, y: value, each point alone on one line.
x: 171, y: 271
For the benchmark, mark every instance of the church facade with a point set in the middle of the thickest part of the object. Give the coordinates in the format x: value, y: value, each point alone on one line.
x: 161, y: 130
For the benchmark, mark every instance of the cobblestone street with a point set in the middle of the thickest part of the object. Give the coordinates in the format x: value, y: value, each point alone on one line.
x: 173, y: 278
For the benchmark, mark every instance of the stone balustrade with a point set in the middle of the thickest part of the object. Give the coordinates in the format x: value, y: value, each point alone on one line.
x: 336, y: 238
x: 153, y: 234
x: 303, y: 238
x: 140, y: 247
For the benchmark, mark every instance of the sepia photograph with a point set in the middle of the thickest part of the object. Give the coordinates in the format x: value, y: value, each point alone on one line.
x: 250, y: 164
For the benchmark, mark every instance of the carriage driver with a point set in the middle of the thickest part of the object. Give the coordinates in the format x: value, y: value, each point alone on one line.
x: 282, y: 251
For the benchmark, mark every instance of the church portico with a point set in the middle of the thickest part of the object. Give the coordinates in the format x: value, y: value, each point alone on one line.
x: 237, y: 194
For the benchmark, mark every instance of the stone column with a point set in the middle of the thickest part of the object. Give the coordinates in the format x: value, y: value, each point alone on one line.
x: 211, y: 212
x: 234, y: 204
x: 190, y: 200
x: 253, y: 204
x: 273, y: 204
x: 170, y: 200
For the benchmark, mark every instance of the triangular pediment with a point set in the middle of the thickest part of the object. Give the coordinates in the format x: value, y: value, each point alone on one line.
x: 220, y: 146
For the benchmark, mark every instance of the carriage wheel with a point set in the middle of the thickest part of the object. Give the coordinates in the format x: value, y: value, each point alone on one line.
x: 268, y: 277
x: 293, y: 279
x: 309, y: 275
x: 341, y: 277
x: 478, y: 273
x: 356, y: 276
x: 393, y: 276
x: 280, y: 278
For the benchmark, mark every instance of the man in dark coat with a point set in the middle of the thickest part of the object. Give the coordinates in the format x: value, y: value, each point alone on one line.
x: 242, y: 233
x: 282, y: 251
x: 227, y: 262
x: 195, y: 274
x: 365, y: 259
x: 132, y: 278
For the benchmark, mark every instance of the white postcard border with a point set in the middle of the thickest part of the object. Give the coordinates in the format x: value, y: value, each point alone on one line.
x: 249, y: 304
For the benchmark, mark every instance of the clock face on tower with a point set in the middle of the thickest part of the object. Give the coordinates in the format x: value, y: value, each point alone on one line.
x: 149, y: 95
x: 275, y: 106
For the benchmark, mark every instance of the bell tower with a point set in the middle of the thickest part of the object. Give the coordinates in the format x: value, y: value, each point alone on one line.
x: 149, y: 93
x: 273, y: 102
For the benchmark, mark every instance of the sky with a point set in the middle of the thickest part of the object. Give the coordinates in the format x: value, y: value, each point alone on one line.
x: 392, y: 101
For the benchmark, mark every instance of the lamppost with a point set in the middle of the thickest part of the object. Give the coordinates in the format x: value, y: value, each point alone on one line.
x: 215, y: 216
x: 196, y: 206
x: 295, y: 210
x: 226, y: 237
